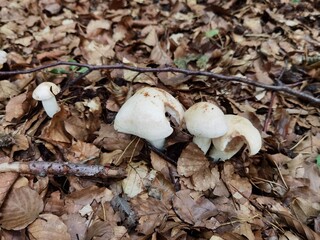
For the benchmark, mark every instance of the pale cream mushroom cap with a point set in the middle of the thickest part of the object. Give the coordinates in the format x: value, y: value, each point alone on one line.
x: 144, y: 115
x: 45, y: 92
x: 204, y: 121
x: 240, y: 132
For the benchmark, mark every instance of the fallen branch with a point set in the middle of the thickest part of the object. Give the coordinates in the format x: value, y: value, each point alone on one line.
x: 62, y: 169
x: 279, y: 88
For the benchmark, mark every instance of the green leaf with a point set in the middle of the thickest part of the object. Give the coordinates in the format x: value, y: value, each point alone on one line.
x: 180, y: 63
x: 58, y: 71
x: 82, y: 70
x: 183, y: 62
x: 211, y: 33
x: 202, y: 61
x: 318, y: 160
x: 73, y: 68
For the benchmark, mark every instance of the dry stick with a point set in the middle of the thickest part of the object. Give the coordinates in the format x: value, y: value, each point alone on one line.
x: 279, y: 88
x: 63, y: 168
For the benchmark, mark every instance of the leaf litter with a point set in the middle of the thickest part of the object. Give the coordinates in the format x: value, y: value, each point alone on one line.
x: 180, y: 193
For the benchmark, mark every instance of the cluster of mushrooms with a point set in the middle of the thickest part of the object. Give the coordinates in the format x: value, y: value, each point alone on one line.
x: 144, y: 115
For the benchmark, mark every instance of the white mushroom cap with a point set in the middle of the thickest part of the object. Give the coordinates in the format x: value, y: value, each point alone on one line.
x: 205, y: 121
x: 45, y: 92
x: 143, y: 115
x: 240, y: 132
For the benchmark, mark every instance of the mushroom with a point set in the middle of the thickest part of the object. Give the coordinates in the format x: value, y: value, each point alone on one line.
x: 144, y: 115
x: 3, y: 58
x: 240, y: 132
x: 205, y: 121
x: 45, y: 92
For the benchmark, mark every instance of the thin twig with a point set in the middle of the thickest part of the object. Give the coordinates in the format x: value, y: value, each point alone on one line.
x: 278, y: 88
x: 64, y: 168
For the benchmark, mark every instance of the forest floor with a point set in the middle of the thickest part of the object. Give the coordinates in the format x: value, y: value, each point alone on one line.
x: 177, y: 193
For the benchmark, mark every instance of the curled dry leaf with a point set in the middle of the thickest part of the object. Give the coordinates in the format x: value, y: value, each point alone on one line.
x: 195, y: 209
x: 304, y: 209
x: 50, y: 227
x: 22, y: 206
x: 298, y: 226
x: 56, y: 130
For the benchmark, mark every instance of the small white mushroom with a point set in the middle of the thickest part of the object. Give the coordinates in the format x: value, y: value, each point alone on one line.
x: 3, y: 58
x: 240, y: 132
x: 144, y: 115
x: 205, y: 121
x: 45, y: 92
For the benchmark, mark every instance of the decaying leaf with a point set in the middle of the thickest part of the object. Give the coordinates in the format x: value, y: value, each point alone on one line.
x: 195, y: 209
x: 22, y: 207
x: 137, y: 177
x: 7, y: 90
x: 151, y: 212
x: 48, y: 226
x: 102, y: 230
x: 8, y: 179
x: 191, y: 161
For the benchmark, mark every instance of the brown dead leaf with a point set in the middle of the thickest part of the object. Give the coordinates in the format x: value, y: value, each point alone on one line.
x: 254, y: 24
x: 55, y: 204
x: 240, y: 188
x: 48, y: 226
x: 56, y: 131
x: 100, y: 230
x: 7, y: 179
x: 195, y: 209
x: 151, y: 212
x: 95, y: 27
x: 81, y: 198
x: 162, y: 189
x: 21, y: 143
x: 22, y: 206
x: 18, y: 107
x: 137, y: 176
x: 297, y: 226
x: 191, y: 161
x: 208, y: 178
x: 7, y: 90
x: 160, y: 165
x: 159, y: 56
x: 304, y: 209
x: 76, y: 225
x: 110, y: 139
x: 82, y: 152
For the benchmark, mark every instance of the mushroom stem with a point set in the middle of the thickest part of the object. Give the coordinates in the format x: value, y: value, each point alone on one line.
x: 157, y: 143
x: 50, y: 106
x: 202, y: 142
x: 223, y: 155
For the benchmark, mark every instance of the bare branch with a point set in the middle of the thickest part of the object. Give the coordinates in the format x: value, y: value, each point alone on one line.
x: 64, y: 168
x: 278, y: 88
